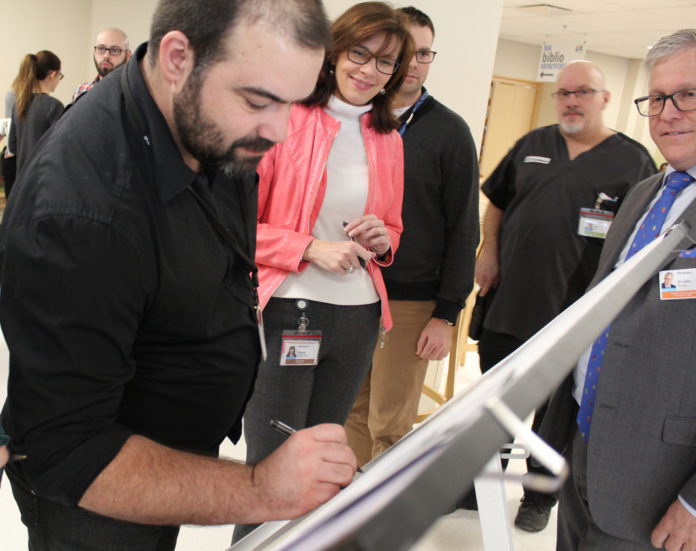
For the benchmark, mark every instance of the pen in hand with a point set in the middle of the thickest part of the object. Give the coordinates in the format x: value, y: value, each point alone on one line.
x: 287, y: 430
x: 360, y: 258
x: 282, y: 428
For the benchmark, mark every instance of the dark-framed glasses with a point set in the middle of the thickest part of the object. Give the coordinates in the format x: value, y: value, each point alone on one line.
x: 113, y: 50
x: 60, y: 75
x: 581, y: 94
x: 360, y: 55
x: 654, y: 104
x: 425, y: 56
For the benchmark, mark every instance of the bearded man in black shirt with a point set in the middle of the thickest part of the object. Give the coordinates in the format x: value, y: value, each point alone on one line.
x: 128, y: 289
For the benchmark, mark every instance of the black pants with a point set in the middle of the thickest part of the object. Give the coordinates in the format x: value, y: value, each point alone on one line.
x: 9, y: 172
x: 53, y: 526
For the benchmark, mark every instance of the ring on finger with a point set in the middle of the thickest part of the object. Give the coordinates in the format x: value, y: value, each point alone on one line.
x: 351, y: 269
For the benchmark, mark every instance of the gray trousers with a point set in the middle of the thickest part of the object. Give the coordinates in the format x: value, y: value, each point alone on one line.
x: 304, y: 396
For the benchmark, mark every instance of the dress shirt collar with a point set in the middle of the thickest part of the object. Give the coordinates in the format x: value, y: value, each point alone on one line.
x: 691, y: 171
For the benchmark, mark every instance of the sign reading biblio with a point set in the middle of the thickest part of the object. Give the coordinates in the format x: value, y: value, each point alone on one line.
x: 555, y: 56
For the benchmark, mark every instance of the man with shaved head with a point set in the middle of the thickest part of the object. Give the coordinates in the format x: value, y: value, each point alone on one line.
x: 552, y: 199
x: 111, y: 50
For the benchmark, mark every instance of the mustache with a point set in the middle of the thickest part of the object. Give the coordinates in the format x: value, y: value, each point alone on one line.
x: 257, y: 145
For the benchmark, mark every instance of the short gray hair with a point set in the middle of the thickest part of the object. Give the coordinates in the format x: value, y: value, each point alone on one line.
x: 670, y: 45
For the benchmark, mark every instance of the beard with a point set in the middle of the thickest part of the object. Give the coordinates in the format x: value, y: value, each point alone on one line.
x: 103, y: 71
x: 571, y: 127
x: 204, y: 139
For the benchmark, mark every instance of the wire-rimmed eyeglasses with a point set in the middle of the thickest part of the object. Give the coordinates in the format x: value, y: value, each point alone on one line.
x: 581, y: 94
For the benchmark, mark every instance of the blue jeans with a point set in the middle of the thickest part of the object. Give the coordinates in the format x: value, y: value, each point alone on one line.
x: 53, y: 526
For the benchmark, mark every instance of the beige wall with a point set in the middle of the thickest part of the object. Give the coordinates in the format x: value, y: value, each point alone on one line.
x: 32, y: 25
x: 67, y: 28
x: 466, y: 34
x: 466, y: 40
x: 625, y: 79
x: 133, y: 16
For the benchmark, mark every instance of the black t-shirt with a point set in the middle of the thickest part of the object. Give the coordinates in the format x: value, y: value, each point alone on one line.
x: 123, y: 309
x: 544, y: 264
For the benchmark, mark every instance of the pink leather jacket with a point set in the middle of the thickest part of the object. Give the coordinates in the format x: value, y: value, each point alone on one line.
x: 292, y: 182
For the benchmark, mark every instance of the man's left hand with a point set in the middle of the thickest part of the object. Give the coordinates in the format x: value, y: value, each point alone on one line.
x: 676, y: 531
x: 435, y: 340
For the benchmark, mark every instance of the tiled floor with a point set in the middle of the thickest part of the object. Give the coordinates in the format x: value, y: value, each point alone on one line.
x: 458, y: 531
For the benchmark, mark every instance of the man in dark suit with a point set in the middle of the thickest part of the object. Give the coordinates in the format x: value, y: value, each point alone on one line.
x: 633, y: 449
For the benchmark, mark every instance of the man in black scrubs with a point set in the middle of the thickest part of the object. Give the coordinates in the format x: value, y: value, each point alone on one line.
x: 128, y: 302
x: 552, y: 199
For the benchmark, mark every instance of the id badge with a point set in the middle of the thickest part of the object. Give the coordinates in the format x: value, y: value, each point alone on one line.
x: 594, y: 222
x: 677, y: 284
x: 300, y: 347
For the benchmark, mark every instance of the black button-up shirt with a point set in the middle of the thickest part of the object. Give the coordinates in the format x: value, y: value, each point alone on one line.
x: 123, y: 309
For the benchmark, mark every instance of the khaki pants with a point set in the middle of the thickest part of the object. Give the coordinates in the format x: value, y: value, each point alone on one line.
x: 387, y: 404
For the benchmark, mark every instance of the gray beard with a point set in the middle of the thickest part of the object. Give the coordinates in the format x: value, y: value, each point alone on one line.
x: 571, y: 128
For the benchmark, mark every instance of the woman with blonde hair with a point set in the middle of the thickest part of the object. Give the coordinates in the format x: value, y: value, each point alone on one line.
x: 35, y: 110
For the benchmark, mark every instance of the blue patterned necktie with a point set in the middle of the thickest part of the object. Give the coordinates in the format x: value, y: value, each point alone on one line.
x: 648, y: 230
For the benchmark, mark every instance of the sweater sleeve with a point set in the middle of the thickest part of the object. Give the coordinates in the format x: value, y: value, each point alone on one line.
x: 460, y: 177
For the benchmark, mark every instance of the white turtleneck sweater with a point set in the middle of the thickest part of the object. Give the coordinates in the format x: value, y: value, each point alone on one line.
x: 347, y: 185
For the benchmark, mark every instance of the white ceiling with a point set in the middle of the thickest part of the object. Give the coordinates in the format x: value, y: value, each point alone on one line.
x: 623, y: 28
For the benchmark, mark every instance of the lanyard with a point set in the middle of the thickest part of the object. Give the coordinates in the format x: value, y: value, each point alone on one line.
x: 415, y: 107
x: 228, y: 237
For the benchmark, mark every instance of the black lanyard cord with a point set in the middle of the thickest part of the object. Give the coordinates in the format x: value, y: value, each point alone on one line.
x: 227, y: 237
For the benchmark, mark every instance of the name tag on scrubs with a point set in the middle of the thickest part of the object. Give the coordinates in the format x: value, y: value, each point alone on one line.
x: 594, y: 222
x: 537, y: 159
x: 300, y: 347
x: 677, y: 284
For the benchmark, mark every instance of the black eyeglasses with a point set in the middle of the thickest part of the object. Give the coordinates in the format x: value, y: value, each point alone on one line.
x: 385, y: 65
x: 425, y: 56
x: 654, y: 104
x: 60, y: 75
x: 113, y: 50
x: 583, y: 93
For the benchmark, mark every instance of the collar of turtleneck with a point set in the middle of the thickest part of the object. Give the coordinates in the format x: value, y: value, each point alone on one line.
x: 342, y: 110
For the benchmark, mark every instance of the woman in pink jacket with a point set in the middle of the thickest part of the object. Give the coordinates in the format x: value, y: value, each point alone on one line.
x: 329, y: 215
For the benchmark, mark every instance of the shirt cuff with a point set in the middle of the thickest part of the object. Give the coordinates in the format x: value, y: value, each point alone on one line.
x: 687, y: 506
